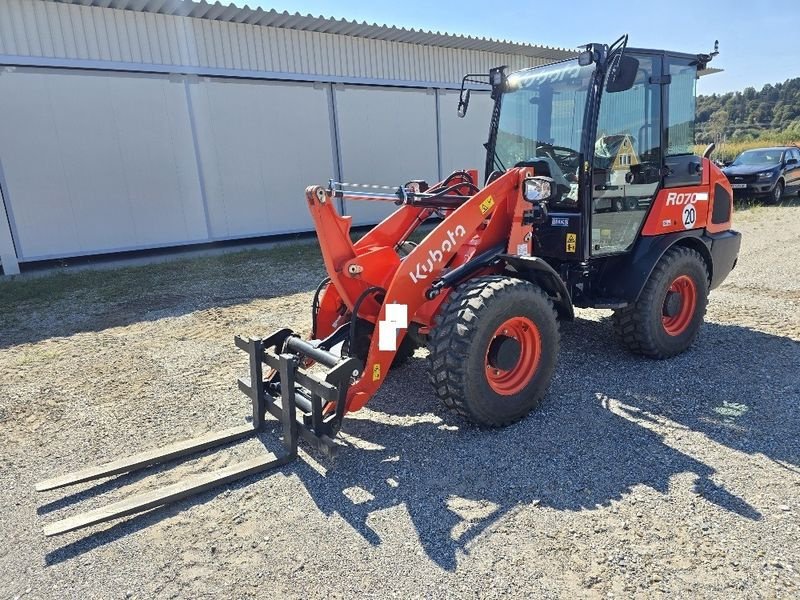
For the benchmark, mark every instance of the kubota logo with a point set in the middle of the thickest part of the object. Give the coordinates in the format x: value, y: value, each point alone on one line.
x: 678, y: 199
x: 423, y: 269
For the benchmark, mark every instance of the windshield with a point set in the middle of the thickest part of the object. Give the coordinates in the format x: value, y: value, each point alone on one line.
x: 759, y: 157
x: 541, y: 117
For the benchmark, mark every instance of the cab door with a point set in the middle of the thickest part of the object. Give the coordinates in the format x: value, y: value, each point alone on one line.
x: 626, y: 169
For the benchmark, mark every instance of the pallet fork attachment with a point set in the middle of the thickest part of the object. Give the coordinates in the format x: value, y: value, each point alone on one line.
x: 307, y: 407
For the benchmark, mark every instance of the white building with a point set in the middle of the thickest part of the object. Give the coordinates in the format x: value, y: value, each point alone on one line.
x: 135, y: 124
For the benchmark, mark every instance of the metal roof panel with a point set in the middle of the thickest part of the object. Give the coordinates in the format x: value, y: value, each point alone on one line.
x: 321, y: 24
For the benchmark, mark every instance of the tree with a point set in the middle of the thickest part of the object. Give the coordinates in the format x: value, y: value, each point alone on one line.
x: 769, y: 113
x: 718, y: 125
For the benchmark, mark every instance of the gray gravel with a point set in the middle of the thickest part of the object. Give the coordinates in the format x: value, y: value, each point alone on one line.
x: 636, y: 478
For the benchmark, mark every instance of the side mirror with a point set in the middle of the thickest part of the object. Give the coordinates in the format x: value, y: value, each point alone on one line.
x: 539, y: 189
x: 585, y: 58
x: 791, y: 161
x: 622, y: 75
x: 463, y: 103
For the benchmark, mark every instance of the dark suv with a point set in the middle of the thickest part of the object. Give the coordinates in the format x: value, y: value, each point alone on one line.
x: 765, y: 172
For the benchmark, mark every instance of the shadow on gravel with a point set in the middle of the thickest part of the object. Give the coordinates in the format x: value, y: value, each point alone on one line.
x: 590, y: 443
x: 736, y: 386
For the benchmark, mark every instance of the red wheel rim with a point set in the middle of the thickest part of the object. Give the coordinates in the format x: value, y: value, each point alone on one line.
x: 516, y: 376
x: 686, y: 291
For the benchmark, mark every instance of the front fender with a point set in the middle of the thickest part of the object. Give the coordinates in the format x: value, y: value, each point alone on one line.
x: 536, y: 270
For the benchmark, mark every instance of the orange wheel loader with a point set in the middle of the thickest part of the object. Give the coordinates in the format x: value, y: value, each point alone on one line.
x: 592, y: 197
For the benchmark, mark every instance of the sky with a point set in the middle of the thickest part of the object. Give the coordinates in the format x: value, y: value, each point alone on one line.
x: 758, y: 39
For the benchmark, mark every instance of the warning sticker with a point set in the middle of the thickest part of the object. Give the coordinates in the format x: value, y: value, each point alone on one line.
x: 572, y: 242
x: 522, y: 250
x: 487, y: 205
x: 376, y: 371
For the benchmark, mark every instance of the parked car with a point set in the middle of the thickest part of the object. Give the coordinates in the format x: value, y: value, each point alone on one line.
x: 768, y: 173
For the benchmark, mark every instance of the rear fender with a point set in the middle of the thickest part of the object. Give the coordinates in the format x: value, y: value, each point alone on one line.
x: 630, y: 276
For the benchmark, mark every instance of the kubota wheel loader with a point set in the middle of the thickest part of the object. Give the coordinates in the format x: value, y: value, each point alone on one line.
x: 593, y: 198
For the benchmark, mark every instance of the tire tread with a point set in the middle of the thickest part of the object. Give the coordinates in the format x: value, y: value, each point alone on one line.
x: 450, y: 339
x: 630, y: 323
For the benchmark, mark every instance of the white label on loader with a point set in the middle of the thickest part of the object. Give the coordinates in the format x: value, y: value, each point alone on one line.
x: 677, y: 199
x: 436, y: 257
x: 396, y: 318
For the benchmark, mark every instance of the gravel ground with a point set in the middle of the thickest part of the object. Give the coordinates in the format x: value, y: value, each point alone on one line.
x: 635, y: 478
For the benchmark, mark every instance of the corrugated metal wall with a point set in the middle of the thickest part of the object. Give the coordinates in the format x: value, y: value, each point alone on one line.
x: 462, y: 139
x: 97, y: 161
x: 162, y: 130
x: 31, y: 28
x: 94, y: 163
x: 260, y: 143
x: 385, y: 135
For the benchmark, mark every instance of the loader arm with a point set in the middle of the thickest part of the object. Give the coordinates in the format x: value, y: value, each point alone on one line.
x: 483, y: 221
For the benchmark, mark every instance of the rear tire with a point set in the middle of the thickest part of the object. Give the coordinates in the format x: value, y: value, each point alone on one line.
x: 666, y: 318
x: 493, y: 349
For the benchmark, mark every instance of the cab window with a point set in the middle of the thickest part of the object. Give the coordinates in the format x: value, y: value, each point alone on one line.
x: 681, y: 108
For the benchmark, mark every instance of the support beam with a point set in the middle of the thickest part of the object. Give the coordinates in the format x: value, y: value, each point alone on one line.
x: 336, y: 148
x: 438, y: 109
x: 8, y: 254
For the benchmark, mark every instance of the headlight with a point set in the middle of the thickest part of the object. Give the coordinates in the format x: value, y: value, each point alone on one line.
x: 538, y: 189
x: 766, y: 174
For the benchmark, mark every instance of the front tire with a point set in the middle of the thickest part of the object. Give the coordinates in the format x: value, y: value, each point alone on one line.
x: 777, y: 194
x: 666, y: 318
x: 493, y: 349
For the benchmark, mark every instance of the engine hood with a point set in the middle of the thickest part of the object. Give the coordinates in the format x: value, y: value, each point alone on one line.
x: 748, y: 169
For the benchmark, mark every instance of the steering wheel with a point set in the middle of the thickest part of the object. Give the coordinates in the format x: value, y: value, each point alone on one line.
x: 564, y: 164
x: 550, y: 150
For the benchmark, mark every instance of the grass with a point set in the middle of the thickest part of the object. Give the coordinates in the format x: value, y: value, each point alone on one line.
x: 216, y: 273
x: 119, y: 283
x: 730, y: 150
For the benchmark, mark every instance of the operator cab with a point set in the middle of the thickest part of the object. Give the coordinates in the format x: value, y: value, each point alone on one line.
x: 611, y: 129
